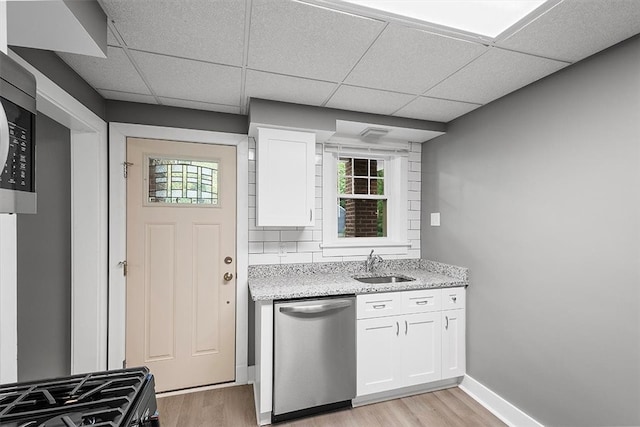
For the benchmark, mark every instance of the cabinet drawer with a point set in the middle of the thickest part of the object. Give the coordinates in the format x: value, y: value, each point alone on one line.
x: 378, y: 305
x: 421, y: 301
x: 453, y: 298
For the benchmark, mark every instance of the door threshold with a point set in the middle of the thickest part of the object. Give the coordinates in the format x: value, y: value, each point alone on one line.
x: 196, y: 389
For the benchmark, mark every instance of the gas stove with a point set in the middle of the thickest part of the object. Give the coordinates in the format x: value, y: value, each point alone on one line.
x: 119, y: 398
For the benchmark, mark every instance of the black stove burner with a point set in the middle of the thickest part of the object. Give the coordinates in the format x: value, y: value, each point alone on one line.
x: 123, y: 397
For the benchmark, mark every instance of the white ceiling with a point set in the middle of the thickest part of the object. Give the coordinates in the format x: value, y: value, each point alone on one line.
x: 216, y: 54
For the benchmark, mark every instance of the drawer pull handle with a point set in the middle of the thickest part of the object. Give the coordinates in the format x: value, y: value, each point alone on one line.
x: 423, y: 302
x: 379, y: 306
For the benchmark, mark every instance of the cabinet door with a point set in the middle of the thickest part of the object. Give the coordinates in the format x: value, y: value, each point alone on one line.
x: 285, y: 178
x: 421, y: 348
x: 378, y: 361
x: 453, y: 343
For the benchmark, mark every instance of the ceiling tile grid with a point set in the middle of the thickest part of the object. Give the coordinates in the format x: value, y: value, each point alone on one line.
x: 575, y: 29
x: 440, y: 110
x: 216, y: 54
x: 187, y: 79
x: 304, y: 40
x: 112, y: 73
x: 296, y: 90
x: 410, y: 60
x: 368, y: 100
x: 493, y: 75
x: 197, y: 29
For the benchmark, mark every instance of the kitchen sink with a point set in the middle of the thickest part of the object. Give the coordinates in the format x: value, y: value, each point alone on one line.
x: 384, y: 279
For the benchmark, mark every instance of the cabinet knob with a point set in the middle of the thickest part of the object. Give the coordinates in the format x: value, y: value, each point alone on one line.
x: 454, y: 299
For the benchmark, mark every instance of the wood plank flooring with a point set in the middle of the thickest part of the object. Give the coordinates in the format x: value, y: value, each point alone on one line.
x: 234, y: 407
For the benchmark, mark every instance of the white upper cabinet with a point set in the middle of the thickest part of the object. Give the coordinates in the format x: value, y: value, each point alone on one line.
x: 285, y: 178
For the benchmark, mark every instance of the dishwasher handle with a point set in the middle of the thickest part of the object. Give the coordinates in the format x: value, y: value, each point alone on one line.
x: 317, y: 308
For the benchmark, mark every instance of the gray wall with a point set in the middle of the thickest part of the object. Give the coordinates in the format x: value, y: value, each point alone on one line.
x: 538, y: 194
x: 162, y: 115
x: 44, y: 261
x: 50, y: 64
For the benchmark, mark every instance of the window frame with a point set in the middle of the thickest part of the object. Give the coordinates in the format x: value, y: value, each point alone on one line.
x: 396, y: 188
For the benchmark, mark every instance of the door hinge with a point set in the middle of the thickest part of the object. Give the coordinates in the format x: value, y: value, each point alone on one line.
x: 125, y: 168
x: 123, y: 264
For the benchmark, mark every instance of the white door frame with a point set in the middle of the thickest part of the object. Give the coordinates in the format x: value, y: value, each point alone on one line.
x: 88, y: 231
x: 118, y: 133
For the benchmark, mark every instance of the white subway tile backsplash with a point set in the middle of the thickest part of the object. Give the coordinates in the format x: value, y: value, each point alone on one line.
x: 296, y: 235
x: 309, y: 246
x: 255, y: 259
x: 256, y: 247
x: 295, y: 258
x: 264, y: 236
x: 302, y: 244
x: 413, y: 195
x: 413, y: 215
x: 415, y: 176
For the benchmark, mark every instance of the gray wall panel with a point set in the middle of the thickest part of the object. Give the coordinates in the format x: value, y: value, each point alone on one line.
x: 161, y: 115
x: 538, y: 195
x: 50, y: 64
x: 44, y: 261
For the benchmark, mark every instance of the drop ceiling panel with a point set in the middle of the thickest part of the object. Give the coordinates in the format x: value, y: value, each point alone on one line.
x: 113, y: 73
x: 304, y: 40
x: 126, y: 96
x: 439, y: 110
x: 199, y: 29
x: 410, y: 60
x: 111, y: 40
x: 575, y: 29
x: 186, y: 79
x: 494, y: 75
x: 368, y: 100
x: 194, y: 105
x: 277, y: 87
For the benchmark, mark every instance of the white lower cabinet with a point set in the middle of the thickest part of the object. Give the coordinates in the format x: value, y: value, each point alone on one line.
x: 416, y: 343
x: 453, y: 343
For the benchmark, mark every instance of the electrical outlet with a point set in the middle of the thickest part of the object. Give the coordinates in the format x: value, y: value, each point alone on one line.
x: 435, y: 219
x: 282, y: 249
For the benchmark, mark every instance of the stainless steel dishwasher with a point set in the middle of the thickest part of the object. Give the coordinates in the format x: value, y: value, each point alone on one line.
x: 314, y: 360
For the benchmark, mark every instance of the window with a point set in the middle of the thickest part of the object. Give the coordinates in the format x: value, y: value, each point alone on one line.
x: 184, y: 182
x: 364, y: 201
x: 362, y: 210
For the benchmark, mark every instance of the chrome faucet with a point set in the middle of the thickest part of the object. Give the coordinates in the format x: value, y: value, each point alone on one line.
x: 371, y: 261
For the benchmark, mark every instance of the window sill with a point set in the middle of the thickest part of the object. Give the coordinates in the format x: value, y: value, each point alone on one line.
x: 364, y: 248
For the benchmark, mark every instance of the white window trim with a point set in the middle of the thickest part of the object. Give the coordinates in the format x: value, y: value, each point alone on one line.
x: 396, y: 183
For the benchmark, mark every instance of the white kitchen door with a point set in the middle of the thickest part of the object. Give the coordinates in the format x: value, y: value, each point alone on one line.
x: 181, y: 261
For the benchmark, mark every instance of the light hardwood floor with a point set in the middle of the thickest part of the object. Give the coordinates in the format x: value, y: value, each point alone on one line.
x: 233, y: 407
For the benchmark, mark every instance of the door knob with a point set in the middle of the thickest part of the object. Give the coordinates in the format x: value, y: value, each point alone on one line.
x: 227, y: 276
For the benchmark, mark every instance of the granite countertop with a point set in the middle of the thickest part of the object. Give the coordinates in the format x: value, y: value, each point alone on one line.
x: 289, y: 281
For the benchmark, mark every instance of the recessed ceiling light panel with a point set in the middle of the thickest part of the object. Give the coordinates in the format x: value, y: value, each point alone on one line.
x: 484, y: 17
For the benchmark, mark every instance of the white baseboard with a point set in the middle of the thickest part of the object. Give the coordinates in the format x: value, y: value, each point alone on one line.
x: 505, y: 411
